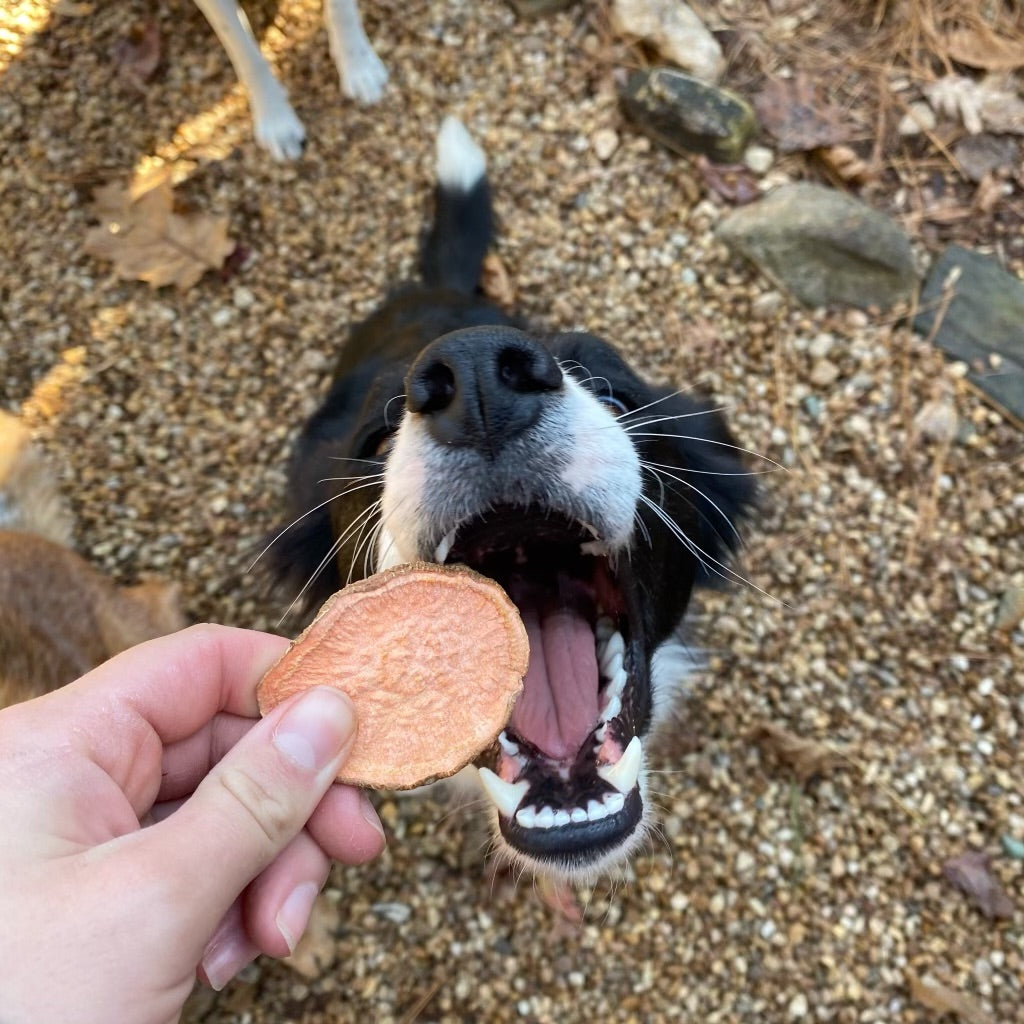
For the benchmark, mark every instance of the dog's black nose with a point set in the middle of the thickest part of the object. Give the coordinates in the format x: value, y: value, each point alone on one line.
x: 481, y: 386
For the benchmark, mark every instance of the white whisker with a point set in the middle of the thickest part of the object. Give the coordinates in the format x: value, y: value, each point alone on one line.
x: 707, y: 440
x: 295, y: 522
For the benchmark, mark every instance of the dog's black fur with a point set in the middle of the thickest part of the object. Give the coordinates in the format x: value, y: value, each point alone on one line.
x: 503, y: 431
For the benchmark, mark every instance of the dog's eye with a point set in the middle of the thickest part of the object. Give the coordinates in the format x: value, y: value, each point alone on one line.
x: 614, y: 405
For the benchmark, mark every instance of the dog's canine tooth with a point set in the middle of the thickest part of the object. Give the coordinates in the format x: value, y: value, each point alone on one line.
x: 623, y: 774
x: 506, y: 796
x: 441, y: 553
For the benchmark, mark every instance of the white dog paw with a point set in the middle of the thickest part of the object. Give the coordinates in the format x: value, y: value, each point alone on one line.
x: 363, y: 74
x: 277, y: 128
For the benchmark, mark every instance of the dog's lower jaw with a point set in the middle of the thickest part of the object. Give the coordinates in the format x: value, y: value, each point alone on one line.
x: 578, y: 869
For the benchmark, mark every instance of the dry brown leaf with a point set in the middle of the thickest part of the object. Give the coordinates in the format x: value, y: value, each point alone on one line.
x: 795, y: 113
x: 979, y: 47
x: 942, y: 999
x: 735, y: 183
x: 971, y: 874
x: 807, y: 758
x: 495, y: 281
x: 149, y: 240
x: 137, y: 54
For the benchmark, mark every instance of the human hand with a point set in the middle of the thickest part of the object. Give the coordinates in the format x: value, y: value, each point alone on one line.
x: 103, y: 919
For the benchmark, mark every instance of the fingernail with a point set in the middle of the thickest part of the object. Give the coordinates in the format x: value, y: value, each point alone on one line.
x: 316, y: 728
x: 223, y: 960
x: 293, y: 916
x: 369, y: 813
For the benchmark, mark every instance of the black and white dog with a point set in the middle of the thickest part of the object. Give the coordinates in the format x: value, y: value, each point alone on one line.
x: 453, y: 434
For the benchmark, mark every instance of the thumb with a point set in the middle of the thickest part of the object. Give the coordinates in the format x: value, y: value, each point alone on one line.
x: 255, y: 801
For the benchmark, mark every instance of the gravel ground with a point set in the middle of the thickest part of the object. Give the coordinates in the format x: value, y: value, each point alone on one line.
x: 874, y: 572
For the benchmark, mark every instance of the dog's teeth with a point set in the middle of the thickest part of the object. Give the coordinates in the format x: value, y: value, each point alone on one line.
x: 578, y: 814
x: 441, y: 554
x: 617, y: 686
x: 545, y: 817
x: 562, y: 818
x: 506, y: 796
x: 510, y: 748
x: 596, y: 811
x: 527, y: 817
x: 612, y: 709
x: 623, y: 774
x: 611, y: 656
x: 603, y: 629
x: 614, y: 802
x: 598, y: 548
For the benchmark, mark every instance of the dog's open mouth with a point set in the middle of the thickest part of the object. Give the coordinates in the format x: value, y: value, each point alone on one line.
x: 566, y: 770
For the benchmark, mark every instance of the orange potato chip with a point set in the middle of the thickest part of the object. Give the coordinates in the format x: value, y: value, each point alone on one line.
x: 433, y: 658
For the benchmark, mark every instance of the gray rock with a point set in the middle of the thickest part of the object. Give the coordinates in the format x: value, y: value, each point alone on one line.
x: 983, y: 325
x: 675, y: 31
x: 825, y: 247
x: 688, y: 115
x: 980, y: 154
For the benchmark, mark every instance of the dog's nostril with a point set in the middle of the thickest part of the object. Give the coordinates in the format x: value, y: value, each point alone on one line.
x: 432, y: 388
x: 528, y: 369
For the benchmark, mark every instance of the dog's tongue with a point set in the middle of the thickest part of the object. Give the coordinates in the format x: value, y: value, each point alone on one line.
x: 558, y: 706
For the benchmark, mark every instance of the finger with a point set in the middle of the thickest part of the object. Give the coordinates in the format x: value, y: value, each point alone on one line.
x: 346, y: 826
x: 253, y: 803
x: 187, y: 762
x: 229, y: 950
x: 155, y: 694
x: 276, y: 907
x: 177, y: 683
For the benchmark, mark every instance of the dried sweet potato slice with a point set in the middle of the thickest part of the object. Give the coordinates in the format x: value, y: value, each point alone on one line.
x: 433, y: 658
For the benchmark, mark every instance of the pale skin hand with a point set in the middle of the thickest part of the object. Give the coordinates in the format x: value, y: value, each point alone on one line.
x: 103, y: 919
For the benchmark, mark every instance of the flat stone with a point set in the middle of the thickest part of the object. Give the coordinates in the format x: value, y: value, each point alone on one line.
x: 983, y: 325
x: 825, y: 247
x: 688, y: 115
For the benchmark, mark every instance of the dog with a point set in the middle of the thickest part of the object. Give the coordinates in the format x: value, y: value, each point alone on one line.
x: 59, y: 616
x: 276, y: 126
x: 454, y: 433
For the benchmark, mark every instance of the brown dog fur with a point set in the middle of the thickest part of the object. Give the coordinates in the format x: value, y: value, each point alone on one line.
x: 59, y: 616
